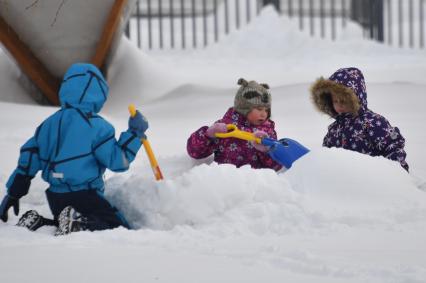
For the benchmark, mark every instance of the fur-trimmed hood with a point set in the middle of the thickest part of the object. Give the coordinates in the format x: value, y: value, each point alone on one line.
x: 348, y: 84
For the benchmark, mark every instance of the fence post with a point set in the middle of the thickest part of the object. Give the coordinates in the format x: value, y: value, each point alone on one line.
x: 205, y: 22
x: 301, y: 14
x: 421, y: 30
x: 400, y: 21
x: 160, y: 23
x: 360, y: 12
x: 410, y: 23
x: 138, y: 24
x: 390, y: 19
x: 194, y: 25
x: 333, y: 20
x: 237, y: 14
x: 247, y: 11
x: 372, y: 18
x: 380, y: 20
x: 311, y: 18
x: 343, y: 13
x: 226, y: 16
x: 149, y: 25
x: 182, y: 23
x: 216, y: 26
x: 275, y: 3
x: 172, y: 27
x: 322, y: 18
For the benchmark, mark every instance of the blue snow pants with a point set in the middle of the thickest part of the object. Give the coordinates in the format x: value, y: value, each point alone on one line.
x: 100, y: 213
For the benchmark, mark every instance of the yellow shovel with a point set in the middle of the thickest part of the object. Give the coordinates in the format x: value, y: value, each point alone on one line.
x: 234, y: 132
x: 154, y: 164
x: 284, y: 151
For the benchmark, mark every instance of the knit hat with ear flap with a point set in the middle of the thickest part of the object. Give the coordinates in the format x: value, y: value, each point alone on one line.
x: 251, y: 95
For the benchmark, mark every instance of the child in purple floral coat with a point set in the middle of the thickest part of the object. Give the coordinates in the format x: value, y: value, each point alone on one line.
x: 251, y: 113
x: 343, y: 97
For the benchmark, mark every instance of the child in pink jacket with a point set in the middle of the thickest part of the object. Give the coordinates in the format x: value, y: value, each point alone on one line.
x: 251, y: 113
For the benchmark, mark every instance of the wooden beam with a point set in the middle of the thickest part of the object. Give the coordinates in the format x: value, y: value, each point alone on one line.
x: 108, y: 32
x: 29, y: 64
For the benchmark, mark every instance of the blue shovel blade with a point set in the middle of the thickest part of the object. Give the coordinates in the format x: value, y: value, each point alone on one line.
x: 285, y: 151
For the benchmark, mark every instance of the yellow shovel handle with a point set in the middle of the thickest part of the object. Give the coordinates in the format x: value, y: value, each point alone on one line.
x: 234, y: 132
x: 154, y: 164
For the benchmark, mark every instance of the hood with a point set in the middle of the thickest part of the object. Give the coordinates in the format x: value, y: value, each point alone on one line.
x: 348, y: 84
x: 83, y: 87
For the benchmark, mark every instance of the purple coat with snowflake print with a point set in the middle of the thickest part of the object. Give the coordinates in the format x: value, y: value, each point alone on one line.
x: 367, y: 132
x: 231, y: 150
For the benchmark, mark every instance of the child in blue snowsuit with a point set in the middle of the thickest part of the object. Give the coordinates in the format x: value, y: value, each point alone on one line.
x: 73, y: 147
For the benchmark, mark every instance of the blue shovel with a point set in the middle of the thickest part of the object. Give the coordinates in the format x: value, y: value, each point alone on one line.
x: 284, y: 151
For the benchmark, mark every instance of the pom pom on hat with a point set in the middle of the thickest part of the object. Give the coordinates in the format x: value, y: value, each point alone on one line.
x: 250, y: 95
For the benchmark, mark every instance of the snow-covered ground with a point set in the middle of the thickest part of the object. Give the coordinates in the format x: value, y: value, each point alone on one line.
x: 336, y: 216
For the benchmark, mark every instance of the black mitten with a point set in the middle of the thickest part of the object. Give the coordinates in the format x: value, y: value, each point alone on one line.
x: 8, y: 201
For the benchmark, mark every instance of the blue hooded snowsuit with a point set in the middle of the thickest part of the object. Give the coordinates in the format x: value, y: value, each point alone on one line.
x: 73, y: 147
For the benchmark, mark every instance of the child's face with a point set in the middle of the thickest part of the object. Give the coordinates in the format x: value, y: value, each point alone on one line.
x: 339, y: 105
x: 257, y: 116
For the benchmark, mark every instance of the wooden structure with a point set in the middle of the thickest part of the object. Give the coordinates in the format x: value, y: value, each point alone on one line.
x: 44, y: 38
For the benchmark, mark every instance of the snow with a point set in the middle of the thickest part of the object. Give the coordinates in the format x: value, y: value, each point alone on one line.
x: 335, y: 216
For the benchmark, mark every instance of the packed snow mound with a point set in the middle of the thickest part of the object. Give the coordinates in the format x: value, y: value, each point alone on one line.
x: 132, y: 74
x: 325, y: 188
x: 351, y: 175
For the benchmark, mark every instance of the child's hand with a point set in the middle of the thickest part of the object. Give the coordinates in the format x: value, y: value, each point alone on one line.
x: 216, y: 128
x: 138, y: 124
x: 260, y: 147
x: 8, y: 202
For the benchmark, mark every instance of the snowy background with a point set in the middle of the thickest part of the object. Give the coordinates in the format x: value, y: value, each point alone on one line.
x: 336, y: 216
